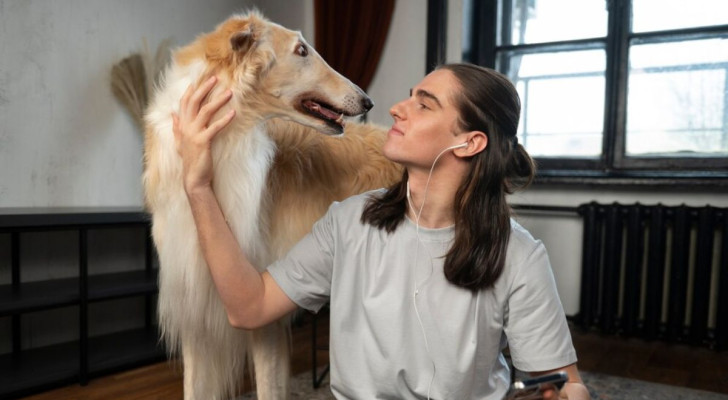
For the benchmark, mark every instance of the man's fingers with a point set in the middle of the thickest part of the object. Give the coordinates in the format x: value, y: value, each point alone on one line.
x: 209, y: 109
x: 195, y: 100
x: 549, y: 393
x: 193, y: 122
x: 175, y: 130
x: 175, y: 125
x: 185, y: 100
x: 219, y: 124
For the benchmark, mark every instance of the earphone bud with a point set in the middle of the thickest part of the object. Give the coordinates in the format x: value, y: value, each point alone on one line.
x: 457, y: 146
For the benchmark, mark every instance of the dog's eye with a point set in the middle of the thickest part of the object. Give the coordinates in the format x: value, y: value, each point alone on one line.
x: 302, y: 50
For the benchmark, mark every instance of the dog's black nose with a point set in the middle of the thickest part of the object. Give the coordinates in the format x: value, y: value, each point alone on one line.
x: 367, y: 103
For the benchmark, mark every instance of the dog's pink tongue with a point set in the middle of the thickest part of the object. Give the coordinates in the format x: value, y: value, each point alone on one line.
x: 322, y: 110
x: 329, y: 113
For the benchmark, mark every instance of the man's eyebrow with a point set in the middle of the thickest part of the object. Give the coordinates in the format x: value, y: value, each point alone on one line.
x: 426, y: 94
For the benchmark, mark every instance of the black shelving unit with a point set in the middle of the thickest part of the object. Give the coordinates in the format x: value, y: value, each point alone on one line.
x: 25, y: 370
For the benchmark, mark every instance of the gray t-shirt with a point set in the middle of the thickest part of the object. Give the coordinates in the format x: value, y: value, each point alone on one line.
x: 383, y: 346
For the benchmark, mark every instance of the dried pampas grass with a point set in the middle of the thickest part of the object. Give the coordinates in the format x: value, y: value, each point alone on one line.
x: 131, y: 83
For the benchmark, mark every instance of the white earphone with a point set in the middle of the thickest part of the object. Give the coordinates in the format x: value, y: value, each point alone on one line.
x: 457, y: 146
x: 416, y: 290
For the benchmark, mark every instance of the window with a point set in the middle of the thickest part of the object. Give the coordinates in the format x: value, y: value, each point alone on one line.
x: 612, y: 88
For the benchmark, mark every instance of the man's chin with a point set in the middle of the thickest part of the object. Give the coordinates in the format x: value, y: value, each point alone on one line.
x: 389, y: 153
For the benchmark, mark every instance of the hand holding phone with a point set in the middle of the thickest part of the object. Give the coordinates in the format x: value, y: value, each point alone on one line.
x: 532, y: 388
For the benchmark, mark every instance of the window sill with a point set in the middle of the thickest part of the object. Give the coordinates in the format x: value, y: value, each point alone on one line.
x: 674, y: 179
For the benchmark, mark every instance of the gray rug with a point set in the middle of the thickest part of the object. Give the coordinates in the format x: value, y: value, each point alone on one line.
x: 608, y: 387
x: 601, y: 387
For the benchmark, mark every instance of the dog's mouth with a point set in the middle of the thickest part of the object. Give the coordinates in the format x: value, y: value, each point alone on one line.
x: 325, y: 112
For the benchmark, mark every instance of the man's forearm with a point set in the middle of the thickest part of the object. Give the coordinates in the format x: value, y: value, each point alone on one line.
x: 238, y: 282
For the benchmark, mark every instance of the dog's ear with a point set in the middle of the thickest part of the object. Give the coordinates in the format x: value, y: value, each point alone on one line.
x: 251, y: 56
x: 243, y: 40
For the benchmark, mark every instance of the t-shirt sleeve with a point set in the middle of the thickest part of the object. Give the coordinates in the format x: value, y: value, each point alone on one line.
x: 535, y: 324
x: 304, y: 274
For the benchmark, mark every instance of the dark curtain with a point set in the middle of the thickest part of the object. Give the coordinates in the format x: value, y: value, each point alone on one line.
x: 350, y: 35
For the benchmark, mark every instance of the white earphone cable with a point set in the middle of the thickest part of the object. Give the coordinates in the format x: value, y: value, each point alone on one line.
x: 417, y: 251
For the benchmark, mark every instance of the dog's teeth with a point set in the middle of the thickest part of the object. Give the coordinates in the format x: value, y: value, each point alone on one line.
x: 340, y: 119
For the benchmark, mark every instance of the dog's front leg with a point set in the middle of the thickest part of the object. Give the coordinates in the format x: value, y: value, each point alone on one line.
x: 271, y: 357
x: 189, y: 359
x: 213, y: 367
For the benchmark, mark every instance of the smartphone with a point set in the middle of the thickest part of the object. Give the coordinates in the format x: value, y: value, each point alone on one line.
x: 530, y: 388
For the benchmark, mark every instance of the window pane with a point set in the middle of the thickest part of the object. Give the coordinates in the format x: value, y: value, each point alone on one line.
x: 562, y: 102
x: 676, y: 104
x: 534, y: 21
x: 677, y: 14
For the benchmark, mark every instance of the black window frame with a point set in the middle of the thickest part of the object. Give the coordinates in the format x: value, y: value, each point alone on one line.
x: 613, y: 167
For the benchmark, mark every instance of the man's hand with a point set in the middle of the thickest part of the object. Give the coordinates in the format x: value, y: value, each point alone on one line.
x: 573, y: 389
x: 194, y: 131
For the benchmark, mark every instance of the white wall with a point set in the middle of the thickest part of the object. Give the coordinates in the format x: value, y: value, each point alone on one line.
x: 64, y: 139
x: 296, y: 15
x: 403, y: 61
x: 454, y: 52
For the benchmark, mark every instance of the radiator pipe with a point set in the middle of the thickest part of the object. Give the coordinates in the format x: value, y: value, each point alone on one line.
x: 678, y: 273
x: 721, y: 321
x: 701, y: 279
x: 611, y: 268
x: 633, y: 270
x: 655, y: 273
x: 590, y: 267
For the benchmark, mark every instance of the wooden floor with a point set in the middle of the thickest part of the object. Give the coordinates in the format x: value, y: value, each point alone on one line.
x: 670, y: 364
x: 696, y: 368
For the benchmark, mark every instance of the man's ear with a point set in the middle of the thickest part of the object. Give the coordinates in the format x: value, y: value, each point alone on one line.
x: 477, y: 142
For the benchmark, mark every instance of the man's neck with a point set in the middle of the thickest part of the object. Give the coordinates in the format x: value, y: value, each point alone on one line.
x: 438, y: 197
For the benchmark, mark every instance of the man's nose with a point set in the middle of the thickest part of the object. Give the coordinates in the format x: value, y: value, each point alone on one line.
x: 396, y: 111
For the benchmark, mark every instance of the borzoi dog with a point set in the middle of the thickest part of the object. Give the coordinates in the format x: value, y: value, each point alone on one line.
x: 273, y: 179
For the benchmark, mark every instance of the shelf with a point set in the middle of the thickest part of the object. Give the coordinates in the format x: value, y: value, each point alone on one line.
x: 123, y: 284
x: 21, y: 219
x: 38, y: 369
x: 43, y: 368
x: 123, y: 349
x: 35, y: 296
x: 32, y: 370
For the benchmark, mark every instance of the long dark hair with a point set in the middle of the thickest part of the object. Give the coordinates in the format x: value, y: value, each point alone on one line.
x: 487, y: 102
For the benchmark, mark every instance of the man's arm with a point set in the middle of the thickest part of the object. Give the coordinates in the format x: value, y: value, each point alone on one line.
x: 251, y: 299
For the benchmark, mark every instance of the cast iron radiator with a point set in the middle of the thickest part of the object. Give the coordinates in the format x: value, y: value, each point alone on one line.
x: 656, y: 272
